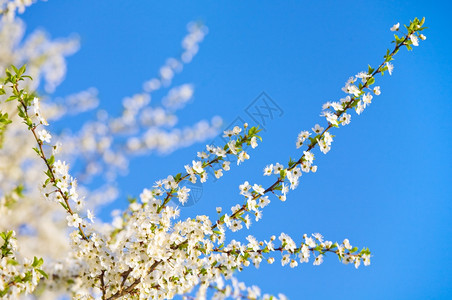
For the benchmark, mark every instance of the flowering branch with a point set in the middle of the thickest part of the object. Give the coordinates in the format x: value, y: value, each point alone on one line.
x: 17, y: 276
x: 213, y: 156
x: 357, y: 99
x: 60, y: 184
x: 150, y: 254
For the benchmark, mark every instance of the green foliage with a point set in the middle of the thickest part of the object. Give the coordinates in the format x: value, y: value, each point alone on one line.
x: 4, y: 121
x: 6, y: 248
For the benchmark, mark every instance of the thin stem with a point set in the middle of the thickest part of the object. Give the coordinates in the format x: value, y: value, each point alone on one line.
x: 44, y: 158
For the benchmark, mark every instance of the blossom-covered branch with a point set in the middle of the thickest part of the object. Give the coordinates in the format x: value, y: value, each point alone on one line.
x: 357, y: 98
x: 17, y: 275
x: 151, y: 253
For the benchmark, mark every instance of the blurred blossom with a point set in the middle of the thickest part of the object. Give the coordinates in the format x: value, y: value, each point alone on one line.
x: 100, y: 149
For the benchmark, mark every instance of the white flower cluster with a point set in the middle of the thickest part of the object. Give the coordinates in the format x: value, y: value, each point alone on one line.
x: 190, y: 44
x: 45, y: 58
x: 235, y: 290
x: 161, y: 258
x: 8, y: 8
x: 17, y: 275
x: 147, y: 245
x: 142, y: 128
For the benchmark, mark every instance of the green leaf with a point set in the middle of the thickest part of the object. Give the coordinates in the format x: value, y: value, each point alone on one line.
x: 355, y: 103
x: 29, y: 122
x: 422, y: 21
x: 37, y: 151
x: 22, y: 69
x: 27, y: 277
x: 365, y: 251
x: 64, y: 205
x: 313, y: 140
x: 178, y: 177
x: 51, y: 160
x: 12, y: 262
x: 291, y: 162
x: 278, y: 187
x: 396, y: 38
x: 43, y: 273
x: 19, y: 190
x: 282, y: 174
x: 4, y: 292
x: 37, y: 262
x: 8, y: 73
x: 11, y: 98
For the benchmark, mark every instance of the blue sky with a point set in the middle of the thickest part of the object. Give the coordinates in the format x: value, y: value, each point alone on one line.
x: 385, y: 185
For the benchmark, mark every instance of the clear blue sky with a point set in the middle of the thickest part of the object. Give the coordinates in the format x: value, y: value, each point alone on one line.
x: 385, y: 185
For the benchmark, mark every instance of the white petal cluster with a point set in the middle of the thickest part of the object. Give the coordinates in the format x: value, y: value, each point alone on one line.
x: 18, y: 275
